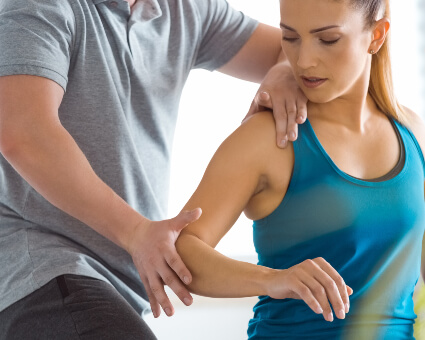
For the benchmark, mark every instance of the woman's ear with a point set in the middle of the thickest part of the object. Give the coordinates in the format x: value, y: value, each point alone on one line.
x: 379, y: 35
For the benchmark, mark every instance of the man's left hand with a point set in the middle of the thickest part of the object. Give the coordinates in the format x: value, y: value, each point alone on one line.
x: 280, y: 92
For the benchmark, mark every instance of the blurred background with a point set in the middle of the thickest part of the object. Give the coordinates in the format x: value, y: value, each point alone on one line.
x: 212, y: 106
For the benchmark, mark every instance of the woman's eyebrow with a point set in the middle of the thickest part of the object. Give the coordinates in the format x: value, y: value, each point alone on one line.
x: 282, y: 25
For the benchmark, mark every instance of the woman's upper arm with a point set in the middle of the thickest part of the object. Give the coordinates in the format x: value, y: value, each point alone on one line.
x: 232, y: 178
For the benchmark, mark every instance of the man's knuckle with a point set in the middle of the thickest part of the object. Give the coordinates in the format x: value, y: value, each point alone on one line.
x: 151, y: 260
x: 173, y: 261
x: 156, y: 290
x: 169, y: 280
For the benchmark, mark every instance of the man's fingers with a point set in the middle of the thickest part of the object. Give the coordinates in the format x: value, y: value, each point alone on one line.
x: 292, y: 126
x: 263, y: 99
x: 281, y: 119
x: 156, y: 308
x: 185, y: 217
x: 170, y: 278
x: 157, y: 288
x: 301, y: 111
x: 176, y: 264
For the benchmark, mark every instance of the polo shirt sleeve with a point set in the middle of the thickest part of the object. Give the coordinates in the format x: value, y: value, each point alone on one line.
x: 224, y: 32
x: 36, y: 38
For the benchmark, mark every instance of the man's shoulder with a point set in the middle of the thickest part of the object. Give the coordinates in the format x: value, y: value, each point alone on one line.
x: 25, y: 9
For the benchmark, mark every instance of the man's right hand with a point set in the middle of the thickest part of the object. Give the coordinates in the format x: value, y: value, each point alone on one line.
x: 152, y: 247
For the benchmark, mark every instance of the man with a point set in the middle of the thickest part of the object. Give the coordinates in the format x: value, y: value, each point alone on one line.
x: 89, y: 91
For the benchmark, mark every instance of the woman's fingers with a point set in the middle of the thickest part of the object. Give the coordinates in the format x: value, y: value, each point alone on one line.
x: 309, y: 298
x: 317, y: 283
x: 320, y: 292
x: 340, y: 285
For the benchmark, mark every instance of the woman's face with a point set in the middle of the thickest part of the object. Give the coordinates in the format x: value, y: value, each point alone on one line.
x: 327, y: 44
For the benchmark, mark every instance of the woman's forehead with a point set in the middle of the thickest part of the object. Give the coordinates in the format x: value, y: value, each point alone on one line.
x: 318, y: 13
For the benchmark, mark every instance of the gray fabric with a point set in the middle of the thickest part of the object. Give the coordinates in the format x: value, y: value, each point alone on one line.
x: 123, y: 74
x: 73, y: 308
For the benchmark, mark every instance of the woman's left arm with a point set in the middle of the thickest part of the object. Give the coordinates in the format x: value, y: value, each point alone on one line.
x: 237, y: 172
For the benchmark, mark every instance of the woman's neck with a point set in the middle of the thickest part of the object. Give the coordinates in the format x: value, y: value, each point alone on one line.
x: 350, y: 113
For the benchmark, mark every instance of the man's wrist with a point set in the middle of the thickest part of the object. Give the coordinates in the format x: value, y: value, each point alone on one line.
x: 132, y: 234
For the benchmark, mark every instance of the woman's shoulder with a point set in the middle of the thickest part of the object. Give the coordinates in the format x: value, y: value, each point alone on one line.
x: 258, y: 131
x: 416, y: 124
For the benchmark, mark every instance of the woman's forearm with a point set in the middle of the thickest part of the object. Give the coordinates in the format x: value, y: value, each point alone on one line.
x: 215, y: 275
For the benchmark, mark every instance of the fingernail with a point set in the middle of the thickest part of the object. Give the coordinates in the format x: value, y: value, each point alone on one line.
x: 264, y: 95
x: 187, y: 301
x: 154, y: 314
x: 168, y: 311
x: 319, y: 310
x: 292, y: 135
x: 341, y: 314
x: 186, y: 280
x: 330, y: 317
x: 283, y: 143
x: 347, y: 308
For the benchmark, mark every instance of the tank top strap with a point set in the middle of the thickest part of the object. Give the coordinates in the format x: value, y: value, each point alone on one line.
x: 310, y: 158
x: 411, y: 144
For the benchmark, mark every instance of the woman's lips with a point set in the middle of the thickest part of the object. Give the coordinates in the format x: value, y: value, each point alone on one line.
x: 312, y: 82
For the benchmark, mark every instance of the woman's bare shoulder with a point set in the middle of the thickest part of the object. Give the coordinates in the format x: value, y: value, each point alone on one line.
x: 256, y: 135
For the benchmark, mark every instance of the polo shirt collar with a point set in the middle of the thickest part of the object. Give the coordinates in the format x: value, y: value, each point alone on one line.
x: 144, y: 10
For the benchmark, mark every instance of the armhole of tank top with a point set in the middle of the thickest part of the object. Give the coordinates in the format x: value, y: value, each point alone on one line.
x: 292, y: 183
x: 418, y: 148
x: 296, y: 169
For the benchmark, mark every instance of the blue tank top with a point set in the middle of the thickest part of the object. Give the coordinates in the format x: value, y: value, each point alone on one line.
x: 370, y: 232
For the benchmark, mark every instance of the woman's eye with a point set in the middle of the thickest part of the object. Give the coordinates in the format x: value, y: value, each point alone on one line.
x: 329, y: 42
x: 289, y: 39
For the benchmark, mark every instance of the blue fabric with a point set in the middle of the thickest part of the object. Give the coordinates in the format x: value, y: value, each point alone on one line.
x: 370, y: 232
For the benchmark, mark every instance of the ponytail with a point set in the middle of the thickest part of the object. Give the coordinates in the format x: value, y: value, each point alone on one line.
x: 381, y: 86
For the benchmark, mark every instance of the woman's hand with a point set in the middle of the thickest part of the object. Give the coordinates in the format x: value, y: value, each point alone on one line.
x: 315, y: 282
x: 152, y: 248
x: 280, y: 92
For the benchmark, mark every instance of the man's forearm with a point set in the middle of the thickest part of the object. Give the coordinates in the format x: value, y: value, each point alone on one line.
x: 48, y: 158
x: 215, y: 275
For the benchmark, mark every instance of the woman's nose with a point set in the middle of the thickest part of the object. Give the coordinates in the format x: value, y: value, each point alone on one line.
x: 306, y: 57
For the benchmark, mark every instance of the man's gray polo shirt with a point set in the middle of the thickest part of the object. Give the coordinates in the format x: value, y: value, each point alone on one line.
x: 123, y: 73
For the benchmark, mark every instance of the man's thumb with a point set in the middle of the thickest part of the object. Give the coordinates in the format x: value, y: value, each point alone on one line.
x: 186, y: 217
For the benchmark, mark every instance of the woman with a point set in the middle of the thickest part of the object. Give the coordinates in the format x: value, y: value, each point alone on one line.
x: 339, y: 216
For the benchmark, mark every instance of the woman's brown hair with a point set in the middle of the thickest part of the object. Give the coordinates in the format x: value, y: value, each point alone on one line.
x: 381, y: 86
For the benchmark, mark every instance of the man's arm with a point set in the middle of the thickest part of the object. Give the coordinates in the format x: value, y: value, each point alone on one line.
x: 259, y: 54
x: 262, y: 60
x: 34, y: 142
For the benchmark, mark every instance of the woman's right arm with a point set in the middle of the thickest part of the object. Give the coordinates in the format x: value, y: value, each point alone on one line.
x: 246, y: 167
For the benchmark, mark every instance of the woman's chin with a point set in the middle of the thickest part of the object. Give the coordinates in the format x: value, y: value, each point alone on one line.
x: 318, y: 99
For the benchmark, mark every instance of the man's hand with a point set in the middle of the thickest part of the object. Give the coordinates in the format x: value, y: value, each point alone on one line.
x: 152, y: 247
x: 280, y: 92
